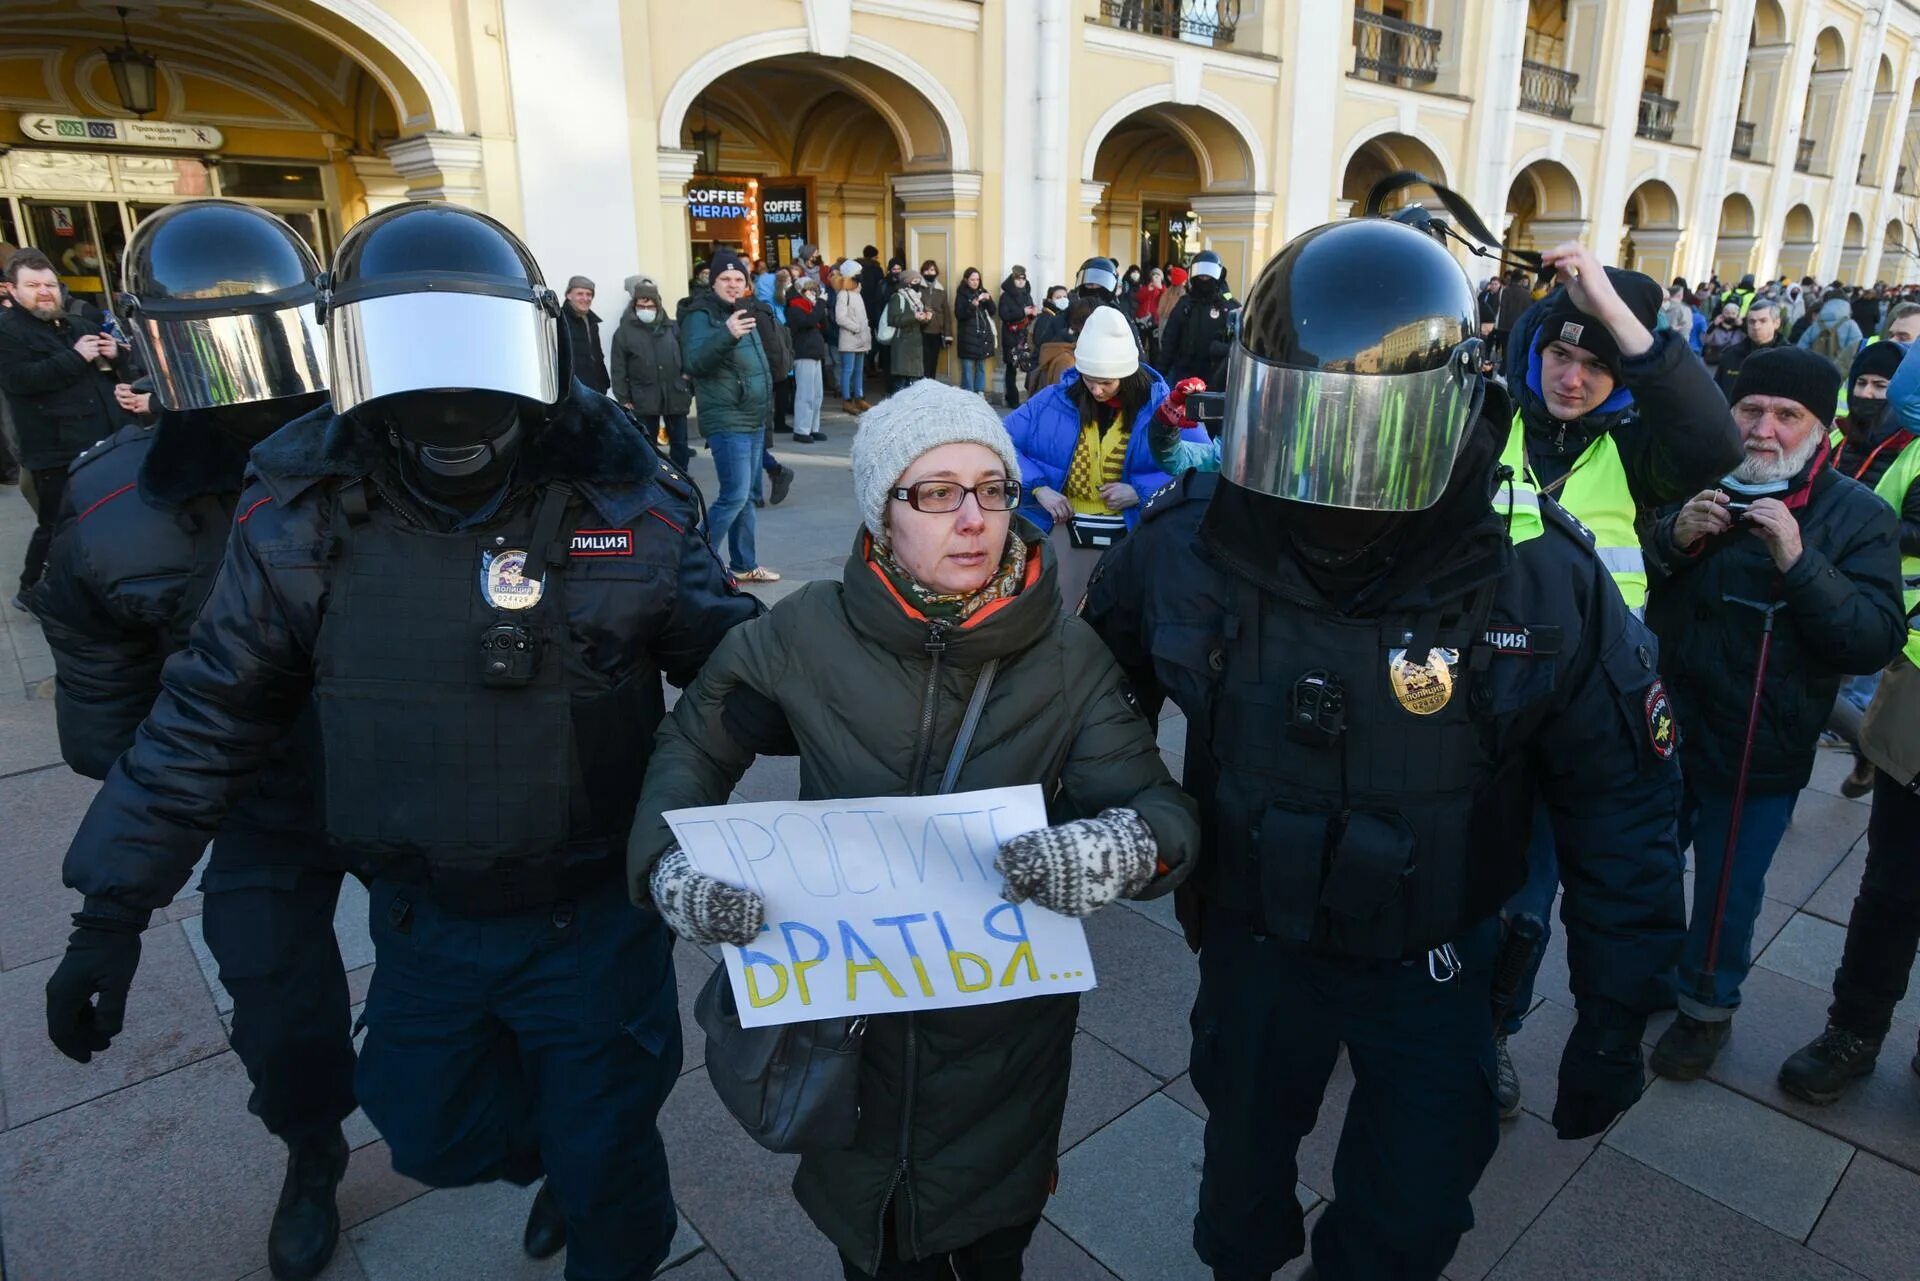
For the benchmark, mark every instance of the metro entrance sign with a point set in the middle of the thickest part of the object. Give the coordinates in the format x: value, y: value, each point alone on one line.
x: 120, y: 133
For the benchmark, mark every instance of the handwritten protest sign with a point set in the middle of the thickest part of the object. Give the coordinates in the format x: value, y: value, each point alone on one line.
x: 883, y: 905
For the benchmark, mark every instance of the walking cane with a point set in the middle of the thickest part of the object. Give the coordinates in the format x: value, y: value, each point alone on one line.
x: 1767, y: 611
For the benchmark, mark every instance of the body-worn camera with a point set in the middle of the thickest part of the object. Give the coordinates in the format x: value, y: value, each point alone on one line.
x: 509, y: 654
x: 1209, y: 409
x: 1317, y: 709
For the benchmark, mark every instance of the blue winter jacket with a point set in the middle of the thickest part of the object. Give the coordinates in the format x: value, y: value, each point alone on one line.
x: 1046, y: 431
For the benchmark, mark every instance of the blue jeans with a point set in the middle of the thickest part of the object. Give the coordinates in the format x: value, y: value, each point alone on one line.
x: 540, y: 1042
x: 730, y: 521
x: 973, y: 375
x: 1535, y: 898
x: 853, y: 375
x: 1705, y: 815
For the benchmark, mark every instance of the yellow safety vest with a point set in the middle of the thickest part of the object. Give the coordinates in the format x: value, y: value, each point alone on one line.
x: 1893, y: 487
x: 1596, y: 495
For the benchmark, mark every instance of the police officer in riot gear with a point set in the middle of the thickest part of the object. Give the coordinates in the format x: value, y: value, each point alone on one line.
x: 477, y: 570
x: 1200, y: 328
x: 1385, y: 659
x: 1099, y: 279
x: 219, y: 299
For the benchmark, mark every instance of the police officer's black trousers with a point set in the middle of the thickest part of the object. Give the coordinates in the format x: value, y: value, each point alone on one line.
x: 1883, y: 930
x: 543, y: 1041
x: 1268, y: 1025
x: 270, y: 927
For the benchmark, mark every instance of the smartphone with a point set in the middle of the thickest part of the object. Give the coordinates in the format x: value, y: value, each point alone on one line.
x: 1739, y: 508
x: 1209, y: 408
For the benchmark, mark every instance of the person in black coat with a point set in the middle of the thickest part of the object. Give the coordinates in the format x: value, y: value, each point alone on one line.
x: 973, y: 316
x: 1765, y: 332
x: 583, y: 332
x: 1784, y: 539
x: 647, y: 376
x: 1016, y: 320
x: 806, y: 317
x: 143, y: 535
x: 873, y: 293
x: 58, y: 374
x: 1200, y: 328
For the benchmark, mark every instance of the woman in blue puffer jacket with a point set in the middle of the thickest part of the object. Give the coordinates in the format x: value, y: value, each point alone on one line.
x: 1085, y: 460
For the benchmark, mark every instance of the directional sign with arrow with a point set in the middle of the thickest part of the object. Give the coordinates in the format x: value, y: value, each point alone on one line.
x: 86, y: 130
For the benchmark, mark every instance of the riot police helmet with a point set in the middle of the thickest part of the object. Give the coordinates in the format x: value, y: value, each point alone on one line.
x: 218, y: 298
x: 1206, y: 274
x: 433, y: 297
x: 1354, y: 381
x: 1098, y: 275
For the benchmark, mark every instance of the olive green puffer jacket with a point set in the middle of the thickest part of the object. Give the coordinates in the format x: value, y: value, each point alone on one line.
x: 959, y: 1109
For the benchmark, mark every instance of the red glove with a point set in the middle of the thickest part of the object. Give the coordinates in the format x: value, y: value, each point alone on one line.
x: 1173, y: 410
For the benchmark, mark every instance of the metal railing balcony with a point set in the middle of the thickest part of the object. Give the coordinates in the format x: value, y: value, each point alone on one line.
x: 1394, y: 52
x: 1803, y: 159
x: 1207, y: 21
x: 1547, y: 90
x: 1743, y: 139
x: 1656, y: 117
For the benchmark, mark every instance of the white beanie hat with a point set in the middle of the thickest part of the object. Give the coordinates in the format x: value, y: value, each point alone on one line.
x: 1105, y: 348
x: 927, y: 415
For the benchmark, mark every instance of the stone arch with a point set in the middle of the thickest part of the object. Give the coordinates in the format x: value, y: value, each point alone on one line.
x: 1883, y: 77
x: 1770, y: 23
x: 1544, y: 206
x: 1797, y: 243
x: 1829, y: 50
x: 1856, y: 234
x: 1223, y: 139
x: 1736, y: 237
x: 1653, y: 205
x: 1384, y: 150
x: 925, y: 118
x: 1650, y: 230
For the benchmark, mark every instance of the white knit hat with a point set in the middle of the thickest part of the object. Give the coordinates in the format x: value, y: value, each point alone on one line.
x: 927, y: 415
x: 1105, y: 348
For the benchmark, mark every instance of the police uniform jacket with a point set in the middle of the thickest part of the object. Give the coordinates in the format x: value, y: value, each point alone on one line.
x: 1843, y: 616
x: 144, y: 534
x: 642, y: 595
x: 1554, y: 695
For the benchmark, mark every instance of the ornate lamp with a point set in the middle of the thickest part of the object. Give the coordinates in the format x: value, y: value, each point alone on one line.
x: 134, y: 76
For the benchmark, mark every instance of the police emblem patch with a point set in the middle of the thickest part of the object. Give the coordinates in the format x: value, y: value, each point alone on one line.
x: 1422, y: 689
x: 504, y: 581
x: 1661, y: 731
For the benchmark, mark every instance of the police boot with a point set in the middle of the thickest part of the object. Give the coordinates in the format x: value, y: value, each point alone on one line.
x: 1820, y: 1072
x: 306, y: 1223
x: 546, y: 1233
x: 1688, y: 1048
x: 1506, y: 1080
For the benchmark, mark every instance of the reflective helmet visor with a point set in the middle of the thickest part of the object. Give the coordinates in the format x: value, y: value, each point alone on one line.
x: 1099, y: 276
x: 405, y: 342
x: 211, y: 362
x: 1378, y: 442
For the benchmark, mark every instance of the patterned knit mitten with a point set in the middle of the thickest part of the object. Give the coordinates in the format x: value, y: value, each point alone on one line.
x: 1078, y: 868
x: 700, y: 908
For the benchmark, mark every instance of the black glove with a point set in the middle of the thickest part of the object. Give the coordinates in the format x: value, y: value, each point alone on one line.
x: 101, y: 959
x: 1600, y: 1071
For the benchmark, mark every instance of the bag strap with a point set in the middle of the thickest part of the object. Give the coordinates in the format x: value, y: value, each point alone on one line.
x: 971, y: 722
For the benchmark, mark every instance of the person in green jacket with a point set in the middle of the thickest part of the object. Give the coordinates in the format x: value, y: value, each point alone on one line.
x: 870, y: 677
x: 733, y: 395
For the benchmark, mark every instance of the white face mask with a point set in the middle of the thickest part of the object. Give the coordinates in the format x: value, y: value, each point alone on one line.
x: 647, y: 314
x: 1058, y: 304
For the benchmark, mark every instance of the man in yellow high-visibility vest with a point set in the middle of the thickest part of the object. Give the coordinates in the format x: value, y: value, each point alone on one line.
x: 1611, y: 419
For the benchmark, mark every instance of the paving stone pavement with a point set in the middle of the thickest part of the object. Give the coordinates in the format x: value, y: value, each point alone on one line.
x: 146, y: 1164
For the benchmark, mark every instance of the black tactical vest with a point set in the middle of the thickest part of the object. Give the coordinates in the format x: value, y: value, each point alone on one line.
x: 467, y: 743
x: 1366, y: 803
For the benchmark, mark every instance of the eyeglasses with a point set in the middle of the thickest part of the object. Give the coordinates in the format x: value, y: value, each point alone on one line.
x: 945, y: 496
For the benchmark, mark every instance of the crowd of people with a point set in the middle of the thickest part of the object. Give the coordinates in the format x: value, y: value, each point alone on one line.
x: 1524, y: 611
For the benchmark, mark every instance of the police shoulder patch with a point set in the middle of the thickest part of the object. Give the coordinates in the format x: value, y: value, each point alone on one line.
x: 1662, y: 732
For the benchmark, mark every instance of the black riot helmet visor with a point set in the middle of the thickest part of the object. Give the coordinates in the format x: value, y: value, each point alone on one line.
x: 219, y: 300
x: 1354, y: 382
x: 427, y: 296
x: 1099, y: 274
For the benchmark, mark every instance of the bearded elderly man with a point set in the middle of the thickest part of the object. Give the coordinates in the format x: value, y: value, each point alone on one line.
x: 1788, y: 540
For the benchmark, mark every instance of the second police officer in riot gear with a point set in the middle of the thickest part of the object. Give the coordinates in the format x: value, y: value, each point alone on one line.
x: 1384, y: 662
x: 1200, y: 328
x: 478, y: 571
x: 219, y: 298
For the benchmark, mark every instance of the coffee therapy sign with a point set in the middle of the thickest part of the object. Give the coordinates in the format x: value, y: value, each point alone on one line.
x: 883, y: 906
